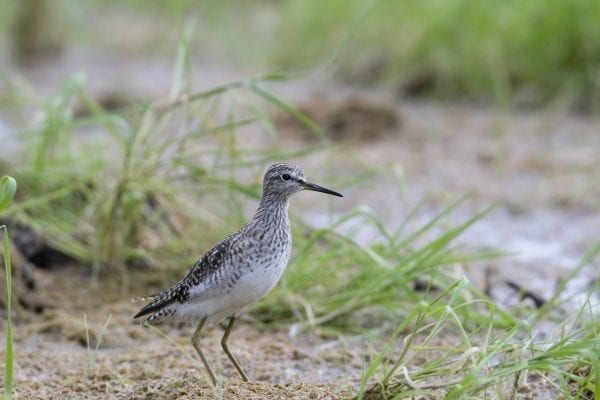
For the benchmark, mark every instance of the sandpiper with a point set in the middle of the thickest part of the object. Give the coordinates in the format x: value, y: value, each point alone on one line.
x: 241, y: 269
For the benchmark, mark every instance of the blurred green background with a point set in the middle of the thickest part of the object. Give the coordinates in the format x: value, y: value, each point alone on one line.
x: 526, y: 53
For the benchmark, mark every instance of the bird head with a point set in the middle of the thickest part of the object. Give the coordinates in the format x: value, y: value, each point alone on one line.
x: 286, y: 179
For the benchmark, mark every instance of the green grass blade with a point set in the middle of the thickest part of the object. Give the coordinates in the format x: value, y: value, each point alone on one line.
x: 289, y: 108
x: 8, y: 188
x: 8, y: 353
x: 588, y: 258
x: 182, y: 61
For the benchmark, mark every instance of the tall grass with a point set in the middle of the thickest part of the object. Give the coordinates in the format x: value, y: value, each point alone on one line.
x: 112, y: 190
x: 334, y: 282
x: 8, y: 188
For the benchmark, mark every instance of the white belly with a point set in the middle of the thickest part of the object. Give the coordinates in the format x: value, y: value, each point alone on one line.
x: 218, y: 303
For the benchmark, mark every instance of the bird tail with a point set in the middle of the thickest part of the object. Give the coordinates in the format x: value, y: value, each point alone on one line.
x: 158, y: 303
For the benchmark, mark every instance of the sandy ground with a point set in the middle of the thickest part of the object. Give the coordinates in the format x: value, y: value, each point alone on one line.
x: 541, y: 169
x: 91, y: 347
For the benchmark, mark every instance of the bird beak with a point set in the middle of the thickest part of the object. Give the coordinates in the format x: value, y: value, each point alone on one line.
x: 316, y: 188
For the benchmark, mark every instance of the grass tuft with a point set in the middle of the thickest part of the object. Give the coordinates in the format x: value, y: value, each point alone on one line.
x: 113, y: 190
x: 445, y: 356
x: 335, y: 284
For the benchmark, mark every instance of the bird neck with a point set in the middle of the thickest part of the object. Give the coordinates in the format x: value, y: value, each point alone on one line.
x: 272, y: 209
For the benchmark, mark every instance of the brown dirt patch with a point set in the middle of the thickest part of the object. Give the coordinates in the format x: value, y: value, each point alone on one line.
x: 353, y: 119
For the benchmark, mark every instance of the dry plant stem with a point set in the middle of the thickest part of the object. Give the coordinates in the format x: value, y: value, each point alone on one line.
x: 162, y: 107
x: 434, y: 385
x: 515, y: 387
x: 196, y: 344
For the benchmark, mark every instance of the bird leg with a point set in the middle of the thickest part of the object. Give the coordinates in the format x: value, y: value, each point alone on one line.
x: 196, y: 344
x: 226, y: 349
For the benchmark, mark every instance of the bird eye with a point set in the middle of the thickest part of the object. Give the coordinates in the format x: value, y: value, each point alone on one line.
x: 286, y: 177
